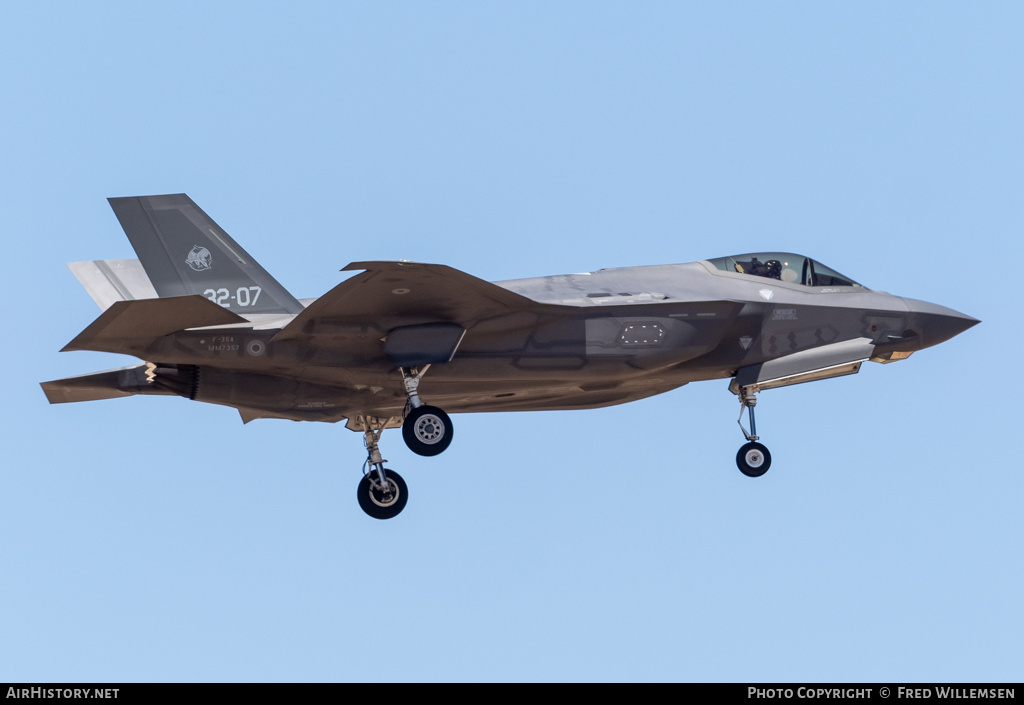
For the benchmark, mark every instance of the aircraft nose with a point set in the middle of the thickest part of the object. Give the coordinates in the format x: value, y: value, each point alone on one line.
x: 935, y: 324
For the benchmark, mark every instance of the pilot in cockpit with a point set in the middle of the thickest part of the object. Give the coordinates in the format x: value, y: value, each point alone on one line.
x: 772, y: 269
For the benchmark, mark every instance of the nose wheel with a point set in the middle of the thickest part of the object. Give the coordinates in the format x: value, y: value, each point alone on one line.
x: 753, y: 459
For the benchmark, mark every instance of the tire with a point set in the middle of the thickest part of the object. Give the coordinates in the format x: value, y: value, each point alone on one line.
x: 427, y: 431
x: 753, y: 459
x: 382, y: 504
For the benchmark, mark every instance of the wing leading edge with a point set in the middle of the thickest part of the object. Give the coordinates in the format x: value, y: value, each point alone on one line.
x: 395, y: 294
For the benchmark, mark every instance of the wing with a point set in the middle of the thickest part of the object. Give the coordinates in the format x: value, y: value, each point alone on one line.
x: 388, y: 295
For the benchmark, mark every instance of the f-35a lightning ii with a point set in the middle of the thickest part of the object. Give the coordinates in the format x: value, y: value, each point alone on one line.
x: 212, y: 325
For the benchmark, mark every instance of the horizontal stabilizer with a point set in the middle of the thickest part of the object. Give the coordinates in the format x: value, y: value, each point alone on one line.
x: 122, y: 382
x: 397, y: 293
x: 131, y: 326
x: 113, y: 280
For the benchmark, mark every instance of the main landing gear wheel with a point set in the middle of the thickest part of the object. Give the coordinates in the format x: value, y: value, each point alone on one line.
x: 427, y: 431
x: 382, y: 500
x: 753, y: 459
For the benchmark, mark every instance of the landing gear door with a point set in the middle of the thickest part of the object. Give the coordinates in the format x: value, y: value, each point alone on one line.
x: 835, y: 360
x: 423, y: 344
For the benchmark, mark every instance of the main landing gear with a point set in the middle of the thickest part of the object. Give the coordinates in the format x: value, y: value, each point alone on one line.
x: 753, y: 459
x: 427, y: 431
x: 382, y: 493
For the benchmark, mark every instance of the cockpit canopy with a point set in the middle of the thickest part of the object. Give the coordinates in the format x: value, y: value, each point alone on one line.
x: 784, y: 266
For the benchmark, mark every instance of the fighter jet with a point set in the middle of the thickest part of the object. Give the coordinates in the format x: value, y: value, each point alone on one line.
x: 404, y: 344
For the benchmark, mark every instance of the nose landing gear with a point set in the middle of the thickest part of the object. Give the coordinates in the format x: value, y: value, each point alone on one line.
x: 753, y: 459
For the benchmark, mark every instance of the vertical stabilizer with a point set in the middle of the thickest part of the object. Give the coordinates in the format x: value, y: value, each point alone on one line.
x: 185, y: 252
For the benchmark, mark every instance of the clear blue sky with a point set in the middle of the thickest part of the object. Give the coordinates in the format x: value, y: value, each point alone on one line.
x: 160, y: 539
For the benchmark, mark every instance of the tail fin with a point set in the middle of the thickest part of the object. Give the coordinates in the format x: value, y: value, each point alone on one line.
x: 184, y: 252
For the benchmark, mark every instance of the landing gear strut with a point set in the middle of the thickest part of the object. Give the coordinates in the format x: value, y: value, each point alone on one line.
x: 382, y: 493
x: 753, y: 459
x: 427, y: 430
